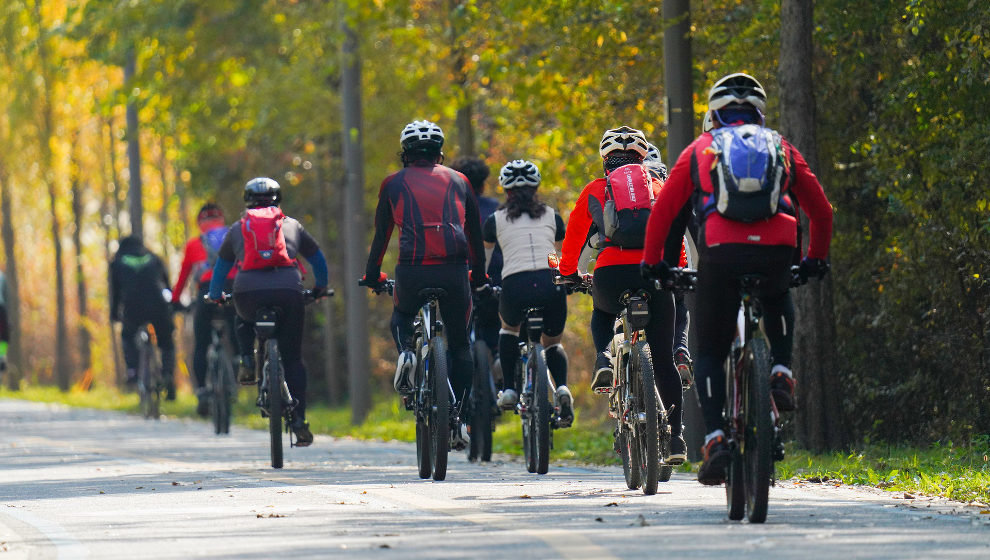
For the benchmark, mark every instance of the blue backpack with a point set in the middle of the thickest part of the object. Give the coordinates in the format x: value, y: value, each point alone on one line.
x: 750, y: 173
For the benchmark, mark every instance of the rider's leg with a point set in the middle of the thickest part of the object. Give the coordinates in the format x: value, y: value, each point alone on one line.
x: 455, y: 308
x: 659, y: 334
x: 128, y: 330
x: 290, y: 337
x: 508, y: 349
x: 554, y: 319
x: 556, y: 358
x: 716, y: 310
x: 164, y: 327
x: 682, y: 321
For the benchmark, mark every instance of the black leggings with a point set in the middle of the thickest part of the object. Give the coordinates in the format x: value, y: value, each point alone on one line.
x: 455, y: 308
x: 609, y: 284
x: 718, y: 307
x: 162, y: 323
x: 292, y: 312
x: 203, y: 314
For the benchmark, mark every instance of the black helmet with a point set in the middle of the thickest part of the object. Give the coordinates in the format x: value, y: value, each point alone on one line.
x: 262, y: 191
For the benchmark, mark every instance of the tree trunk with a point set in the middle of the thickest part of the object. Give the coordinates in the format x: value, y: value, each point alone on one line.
x: 819, y: 425
x: 63, y: 366
x: 135, y: 205
x: 358, y: 352
x: 14, y: 362
x: 465, y: 128
x: 114, y: 178
x: 84, y: 338
x: 111, y: 227
x: 163, y: 215
x: 680, y: 132
x: 331, y: 359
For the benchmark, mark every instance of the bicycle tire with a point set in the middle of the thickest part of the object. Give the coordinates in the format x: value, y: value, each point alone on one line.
x: 224, y: 393
x: 272, y: 375
x: 440, y: 409
x: 423, y: 462
x: 481, y: 404
x: 541, y: 408
x: 758, y: 435
x: 735, y: 486
x: 629, y: 452
x: 213, y: 387
x: 528, y: 425
x: 648, y: 430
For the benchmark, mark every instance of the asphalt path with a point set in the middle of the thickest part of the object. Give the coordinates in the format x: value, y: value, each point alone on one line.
x: 77, y: 483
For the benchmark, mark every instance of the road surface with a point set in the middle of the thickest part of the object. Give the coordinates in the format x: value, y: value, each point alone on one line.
x: 78, y: 483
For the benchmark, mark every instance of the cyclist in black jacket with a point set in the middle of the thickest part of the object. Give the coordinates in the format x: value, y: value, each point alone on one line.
x: 440, y: 235
x: 139, y: 296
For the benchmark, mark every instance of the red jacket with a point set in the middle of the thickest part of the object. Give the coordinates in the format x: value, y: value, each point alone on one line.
x: 691, y: 173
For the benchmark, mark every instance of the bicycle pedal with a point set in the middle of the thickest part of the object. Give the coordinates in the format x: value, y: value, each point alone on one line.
x: 603, y: 390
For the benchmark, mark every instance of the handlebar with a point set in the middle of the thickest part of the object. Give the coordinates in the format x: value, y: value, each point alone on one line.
x: 378, y: 289
x: 226, y: 297
x: 572, y: 285
x: 681, y: 280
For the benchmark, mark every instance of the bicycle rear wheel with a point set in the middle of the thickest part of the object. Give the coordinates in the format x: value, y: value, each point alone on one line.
x: 735, y: 486
x: 481, y: 404
x: 648, y: 432
x: 440, y: 411
x: 541, y: 408
x: 223, y: 394
x: 422, y: 403
x: 758, y: 436
x: 273, y: 376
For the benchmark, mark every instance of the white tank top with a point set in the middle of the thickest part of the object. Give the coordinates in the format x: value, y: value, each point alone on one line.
x: 525, y: 241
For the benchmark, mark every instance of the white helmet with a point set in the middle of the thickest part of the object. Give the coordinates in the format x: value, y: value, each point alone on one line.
x: 737, y: 88
x: 421, y: 134
x: 706, y: 125
x: 654, y: 163
x: 519, y: 173
x: 623, y: 138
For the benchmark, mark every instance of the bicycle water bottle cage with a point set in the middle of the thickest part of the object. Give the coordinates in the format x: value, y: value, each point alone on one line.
x: 534, y: 323
x: 264, y: 323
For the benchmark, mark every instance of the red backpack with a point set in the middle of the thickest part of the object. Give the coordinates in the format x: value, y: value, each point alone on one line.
x: 628, y: 200
x: 264, y: 242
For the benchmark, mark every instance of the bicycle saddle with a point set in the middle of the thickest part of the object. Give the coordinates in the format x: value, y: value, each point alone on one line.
x: 430, y: 293
x: 752, y: 282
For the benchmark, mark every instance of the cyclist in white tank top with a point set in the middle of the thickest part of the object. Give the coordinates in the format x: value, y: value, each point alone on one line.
x: 527, y: 231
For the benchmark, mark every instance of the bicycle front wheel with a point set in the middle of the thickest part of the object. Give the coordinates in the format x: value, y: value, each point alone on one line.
x: 273, y: 377
x: 648, y: 423
x: 758, y: 435
x: 440, y: 409
x: 541, y: 409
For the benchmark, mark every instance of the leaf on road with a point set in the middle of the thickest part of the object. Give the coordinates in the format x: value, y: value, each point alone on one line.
x: 525, y: 497
x: 175, y: 483
x: 139, y: 488
x: 269, y: 516
x: 612, y: 504
x: 600, y: 520
x: 384, y: 546
x: 908, y: 496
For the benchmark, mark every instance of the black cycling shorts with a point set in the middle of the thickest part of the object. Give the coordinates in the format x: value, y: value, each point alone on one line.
x: 534, y: 288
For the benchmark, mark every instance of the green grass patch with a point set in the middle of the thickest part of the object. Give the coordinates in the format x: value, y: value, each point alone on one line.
x: 958, y: 472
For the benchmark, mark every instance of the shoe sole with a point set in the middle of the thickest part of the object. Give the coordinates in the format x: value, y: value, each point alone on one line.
x: 719, y: 461
x: 565, y: 421
x: 676, y: 459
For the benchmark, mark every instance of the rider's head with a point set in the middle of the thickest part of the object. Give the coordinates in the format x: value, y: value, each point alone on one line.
x: 210, y: 216
x: 421, y: 141
x: 654, y: 164
x: 736, y: 98
x: 131, y: 245
x: 622, y: 146
x: 262, y: 192
x: 475, y: 170
x: 519, y: 173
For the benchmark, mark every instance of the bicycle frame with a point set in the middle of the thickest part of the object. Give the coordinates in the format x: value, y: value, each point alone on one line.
x: 748, y: 327
x: 427, y: 325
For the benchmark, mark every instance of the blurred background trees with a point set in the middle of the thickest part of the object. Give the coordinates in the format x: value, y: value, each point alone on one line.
x: 215, y: 93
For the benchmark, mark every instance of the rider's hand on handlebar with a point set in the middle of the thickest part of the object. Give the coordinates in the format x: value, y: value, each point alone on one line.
x: 319, y: 291
x: 660, y: 271
x: 376, y: 284
x: 813, y: 268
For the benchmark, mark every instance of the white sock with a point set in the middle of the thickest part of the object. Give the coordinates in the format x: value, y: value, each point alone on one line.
x: 714, y: 435
x: 783, y: 368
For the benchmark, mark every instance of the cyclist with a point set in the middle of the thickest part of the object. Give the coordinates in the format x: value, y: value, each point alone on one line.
x: 527, y: 230
x: 487, y: 322
x: 730, y: 248
x: 139, y: 296
x: 682, y: 355
x: 616, y: 271
x: 439, y: 236
x: 266, y: 244
x: 197, y: 262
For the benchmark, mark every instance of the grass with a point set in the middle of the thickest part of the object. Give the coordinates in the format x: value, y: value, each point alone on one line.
x: 958, y: 472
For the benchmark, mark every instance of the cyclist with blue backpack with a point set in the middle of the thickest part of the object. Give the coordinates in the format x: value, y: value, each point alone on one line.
x: 266, y: 244
x: 527, y: 230
x: 742, y: 179
x: 616, y: 207
x: 198, y: 258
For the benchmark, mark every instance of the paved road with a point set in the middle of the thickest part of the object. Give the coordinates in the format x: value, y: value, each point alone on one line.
x: 81, y: 483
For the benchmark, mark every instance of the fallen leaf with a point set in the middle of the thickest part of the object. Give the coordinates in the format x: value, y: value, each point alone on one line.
x: 986, y: 511
x: 612, y: 504
x: 139, y: 488
x: 384, y: 546
x: 640, y: 522
x: 600, y: 520
x: 526, y: 496
x: 908, y: 496
x: 175, y: 484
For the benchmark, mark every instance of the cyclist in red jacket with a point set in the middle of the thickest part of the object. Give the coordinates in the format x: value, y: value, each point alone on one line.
x: 197, y: 262
x: 617, y: 270
x: 439, y: 238
x: 730, y: 248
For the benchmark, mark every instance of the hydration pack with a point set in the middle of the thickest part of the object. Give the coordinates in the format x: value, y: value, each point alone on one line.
x: 264, y: 241
x: 749, y: 174
x: 628, y: 200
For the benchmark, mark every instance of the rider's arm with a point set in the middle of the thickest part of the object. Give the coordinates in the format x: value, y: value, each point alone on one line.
x: 578, y: 225
x: 383, y: 232
x: 490, y: 235
x: 673, y: 197
x: 226, y: 257
x: 114, y: 291
x: 310, y: 249
x: 812, y: 200
x: 558, y: 237
x: 187, y: 264
x: 472, y: 227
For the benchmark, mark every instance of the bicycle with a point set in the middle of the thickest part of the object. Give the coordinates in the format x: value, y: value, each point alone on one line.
x: 275, y: 401
x: 482, y: 411
x: 150, y: 383
x: 643, y: 432
x: 221, y: 386
x: 432, y: 394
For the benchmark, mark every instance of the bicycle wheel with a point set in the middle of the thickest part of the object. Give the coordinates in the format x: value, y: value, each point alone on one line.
x: 735, y: 487
x: 629, y: 451
x: 440, y: 411
x: 481, y: 404
x: 648, y: 432
x: 541, y: 409
x: 422, y: 401
x: 758, y: 435
x: 223, y: 393
x: 528, y: 424
x: 273, y: 375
